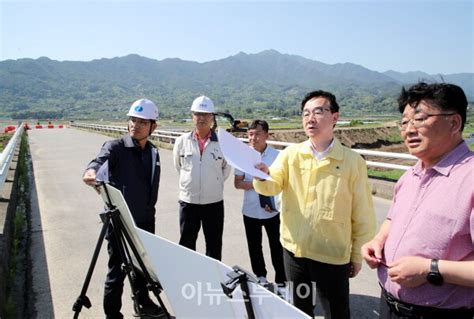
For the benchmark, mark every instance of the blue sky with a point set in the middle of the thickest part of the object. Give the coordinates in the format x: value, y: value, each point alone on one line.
x: 430, y: 36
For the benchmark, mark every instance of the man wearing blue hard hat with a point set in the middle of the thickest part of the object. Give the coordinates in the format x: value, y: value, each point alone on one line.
x: 132, y: 165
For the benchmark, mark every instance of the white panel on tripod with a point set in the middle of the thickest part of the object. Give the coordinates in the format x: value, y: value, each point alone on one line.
x: 117, y: 200
x: 192, y: 281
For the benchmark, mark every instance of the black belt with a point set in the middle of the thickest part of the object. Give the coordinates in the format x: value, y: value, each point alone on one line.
x: 404, y: 309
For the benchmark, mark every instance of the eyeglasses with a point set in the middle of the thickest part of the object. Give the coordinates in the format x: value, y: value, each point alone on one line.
x: 419, y: 120
x: 317, y: 112
x: 137, y: 121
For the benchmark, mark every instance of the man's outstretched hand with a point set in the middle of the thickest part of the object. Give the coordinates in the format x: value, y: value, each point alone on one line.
x: 90, y: 179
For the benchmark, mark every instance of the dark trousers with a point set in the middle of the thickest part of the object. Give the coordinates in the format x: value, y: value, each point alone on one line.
x: 409, y: 311
x: 115, y: 276
x: 331, y: 282
x: 253, y: 232
x: 211, y: 216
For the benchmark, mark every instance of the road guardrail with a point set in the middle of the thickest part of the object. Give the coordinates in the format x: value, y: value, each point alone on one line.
x: 6, y: 155
x: 170, y: 136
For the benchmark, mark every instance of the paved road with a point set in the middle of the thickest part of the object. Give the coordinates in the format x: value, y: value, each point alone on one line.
x: 65, y: 227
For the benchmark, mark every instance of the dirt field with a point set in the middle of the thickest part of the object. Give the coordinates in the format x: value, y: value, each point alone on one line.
x: 378, y: 138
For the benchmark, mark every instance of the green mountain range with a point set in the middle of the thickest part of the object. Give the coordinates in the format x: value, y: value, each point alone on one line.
x: 265, y: 84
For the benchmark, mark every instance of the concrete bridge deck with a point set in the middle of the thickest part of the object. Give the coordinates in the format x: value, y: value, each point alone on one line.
x: 66, y: 225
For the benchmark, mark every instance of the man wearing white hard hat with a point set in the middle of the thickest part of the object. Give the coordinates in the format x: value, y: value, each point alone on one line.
x: 132, y: 165
x: 202, y: 171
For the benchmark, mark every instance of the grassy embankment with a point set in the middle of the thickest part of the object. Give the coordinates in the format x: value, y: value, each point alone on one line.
x: 4, y: 138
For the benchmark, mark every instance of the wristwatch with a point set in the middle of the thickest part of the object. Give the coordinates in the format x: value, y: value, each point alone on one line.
x: 434, y: 277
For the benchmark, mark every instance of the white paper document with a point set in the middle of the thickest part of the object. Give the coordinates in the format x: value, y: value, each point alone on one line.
x: 240, y: 155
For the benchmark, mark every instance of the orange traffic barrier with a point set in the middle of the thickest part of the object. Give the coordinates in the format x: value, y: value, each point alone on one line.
x: 9, y: 128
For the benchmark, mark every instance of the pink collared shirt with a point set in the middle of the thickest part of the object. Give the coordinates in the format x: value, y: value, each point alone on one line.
x: 432, y: 217
x: 202, y: 141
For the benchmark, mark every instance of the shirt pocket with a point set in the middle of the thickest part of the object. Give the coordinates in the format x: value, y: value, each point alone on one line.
x: 334, y: 241
x: 328, y: 184
x: 186, y: 160
x: 216, y: 155
x: 302, y: 168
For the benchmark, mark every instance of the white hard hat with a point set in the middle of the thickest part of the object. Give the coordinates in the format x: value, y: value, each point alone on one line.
x: 203, y: 104
x: 144, y: 109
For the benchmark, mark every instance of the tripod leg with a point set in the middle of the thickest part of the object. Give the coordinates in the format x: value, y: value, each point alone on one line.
x: 83, y: 300
x: 247, y: 299
x: 151, y: 284
x: 156, y: 288
x: 127, y: 265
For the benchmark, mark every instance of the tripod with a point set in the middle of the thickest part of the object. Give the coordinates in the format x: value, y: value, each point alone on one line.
x: 242, y: 277
x: 123, y: 239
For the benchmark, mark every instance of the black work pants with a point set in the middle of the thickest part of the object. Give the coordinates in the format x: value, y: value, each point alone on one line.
x: 115, y: 276
x: 253, y: 232
x: 331, y: 282
x: 396, y: 309
x: 211, y: 216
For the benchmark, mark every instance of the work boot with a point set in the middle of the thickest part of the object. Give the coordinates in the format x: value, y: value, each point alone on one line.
x: 148, y: 309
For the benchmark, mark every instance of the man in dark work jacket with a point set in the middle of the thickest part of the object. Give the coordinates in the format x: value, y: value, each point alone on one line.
x: 132, y: 165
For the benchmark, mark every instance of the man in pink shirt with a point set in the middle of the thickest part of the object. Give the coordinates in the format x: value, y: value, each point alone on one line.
x: 424, y: 250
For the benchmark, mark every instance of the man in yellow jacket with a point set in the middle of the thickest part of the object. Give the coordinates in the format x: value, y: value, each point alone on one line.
x: 327, y: 211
